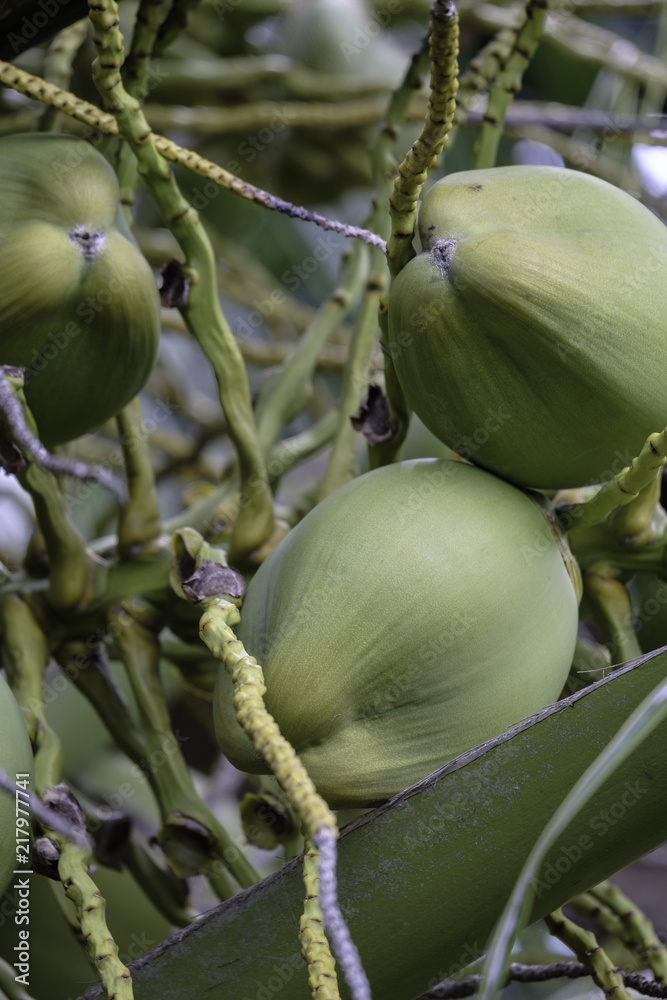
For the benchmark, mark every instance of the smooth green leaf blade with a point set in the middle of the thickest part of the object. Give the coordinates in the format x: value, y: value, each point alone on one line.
x: 642, y: 722
x: 423, y: 879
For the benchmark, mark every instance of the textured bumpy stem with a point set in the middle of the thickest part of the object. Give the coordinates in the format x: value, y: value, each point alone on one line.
x: 322, y: 978
x: 283, y: 399
x: 482, y: 70
x: 139, y: 521
x: 25, y: 655
x: 90, y: 909
x: 149, y: 18
x: 442, y: 103
x: 508, y: 83
x: 343, y: 945
x: 610, y: 602
x: 638, y: 931
x: 183, y: 813
x: 588, y: 951
x: 202, y: 312
x: 609, y: 923
x: 48, y: 93
x: 622, y: 489
x: 318, y: 821
x: 215, y: 628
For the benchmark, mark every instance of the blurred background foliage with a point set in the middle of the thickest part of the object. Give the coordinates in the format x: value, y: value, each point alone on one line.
x: 289, y: 95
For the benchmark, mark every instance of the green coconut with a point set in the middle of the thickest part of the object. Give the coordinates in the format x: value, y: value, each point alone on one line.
x: 529, y: 333
x: 79, y: 306
x: 419, y: 610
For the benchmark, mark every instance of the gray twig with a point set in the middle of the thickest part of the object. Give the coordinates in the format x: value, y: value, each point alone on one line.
x: 337, y: 931
x: 48, y: 818
x: 537, y: 974
x: 12, y: 411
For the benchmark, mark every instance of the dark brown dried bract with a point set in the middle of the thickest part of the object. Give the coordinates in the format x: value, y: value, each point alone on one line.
x: 372, y: 418
x: 211, y: 580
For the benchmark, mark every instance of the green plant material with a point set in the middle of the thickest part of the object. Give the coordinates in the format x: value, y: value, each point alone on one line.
x: 16, y: 762
x: 83, y: 111
x: 521, y: 336
x: 210, y: 589
x: 454, y: 835
x: 58, y: 67
x: 139, y: 522
x: 268, y: 819
x: 642, y: 521
x: 634, y: 731
x: 90, y: 908
x: 9, y: 988
x: 609, y: 601
x: 150, y: 17
x: 343, y: 464
x: 589, y: 42
x: 249, y: 712
x: 590, y: 662
x: 508, y: 83
x: 637, y: 930
x: 25, y: 656
x: 88, y: 312
x: 75, y: 574
x: 444, y: 49
x: 284, y: 395
x: 482, y: 71
x: 215, y: 75
x: 174, y: 23
x: 317, y: 820
x: 648, y: 596
x: 297, y: 114
x: 201, y: 311
x: 460, y: 585
x: 89, y: 671
x: 290, y: 451
x: 637, y: 487
x: 585, y: 946
x: 609, y: 922
x: 191, y: 837
x: 166, y: 891
x: 321, y: 965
